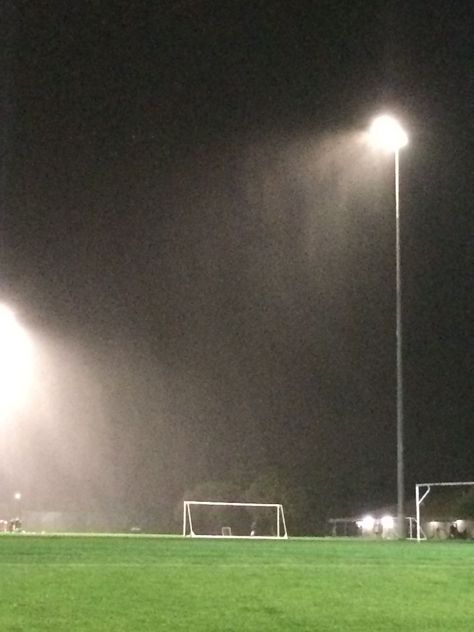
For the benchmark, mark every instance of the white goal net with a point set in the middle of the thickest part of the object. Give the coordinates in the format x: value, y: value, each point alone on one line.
x: 216, y: 519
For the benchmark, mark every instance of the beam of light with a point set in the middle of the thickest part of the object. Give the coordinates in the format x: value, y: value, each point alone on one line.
x: 387, y: 133
x: 16, y: 363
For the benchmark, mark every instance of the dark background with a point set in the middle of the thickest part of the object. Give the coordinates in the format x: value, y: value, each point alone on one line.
x: 192, y: 229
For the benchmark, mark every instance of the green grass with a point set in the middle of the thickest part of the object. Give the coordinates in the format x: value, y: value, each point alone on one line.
x: 140, y: 583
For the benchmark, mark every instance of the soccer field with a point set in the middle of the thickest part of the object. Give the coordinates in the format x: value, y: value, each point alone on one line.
x: 145, y: 583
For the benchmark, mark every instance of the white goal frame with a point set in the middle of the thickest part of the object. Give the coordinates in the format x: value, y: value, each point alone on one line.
x: 280, y: 524
x: 427, y: 488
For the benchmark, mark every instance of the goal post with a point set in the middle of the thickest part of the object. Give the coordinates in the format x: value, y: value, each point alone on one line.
x: 421, y: 492
x: 218, y: 519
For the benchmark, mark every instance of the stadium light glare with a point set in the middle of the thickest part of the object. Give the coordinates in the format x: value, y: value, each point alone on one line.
x: 388, y: 522
x: 16, y: 362
x: 368, y: 523
x: 387, y: 133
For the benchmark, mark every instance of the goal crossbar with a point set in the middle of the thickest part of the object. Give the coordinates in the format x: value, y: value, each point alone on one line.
x: 281, y: 531
x: 209, y: 502
x: 424, y: 489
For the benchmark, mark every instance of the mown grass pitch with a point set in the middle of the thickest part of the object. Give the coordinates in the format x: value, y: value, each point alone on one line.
x: 140, y: 583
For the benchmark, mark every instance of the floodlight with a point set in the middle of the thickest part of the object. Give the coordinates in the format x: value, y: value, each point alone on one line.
x: 387, y: 133
x: 17, y: 496
x: 368, y: 523
x: 388, y: 522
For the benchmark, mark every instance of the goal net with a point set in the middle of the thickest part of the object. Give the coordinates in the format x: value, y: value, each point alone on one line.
x: 444, y: 510
x: 215, y: 519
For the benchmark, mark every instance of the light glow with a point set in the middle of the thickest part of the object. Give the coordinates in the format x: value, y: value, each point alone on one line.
x: 388, y: 522
x: 387, y: 133
x: 16, y: 363
x: 368, y: 523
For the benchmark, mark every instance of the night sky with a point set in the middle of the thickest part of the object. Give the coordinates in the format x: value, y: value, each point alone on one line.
x: 204, y: 249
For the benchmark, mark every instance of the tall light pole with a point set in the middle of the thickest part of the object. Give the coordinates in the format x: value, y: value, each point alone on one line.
x: 387, y: 133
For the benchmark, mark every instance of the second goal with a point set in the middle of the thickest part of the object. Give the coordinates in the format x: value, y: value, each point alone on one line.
x: 217, y: 519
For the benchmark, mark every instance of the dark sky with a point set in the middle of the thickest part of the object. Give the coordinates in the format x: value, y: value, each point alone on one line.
x: 187, y: 217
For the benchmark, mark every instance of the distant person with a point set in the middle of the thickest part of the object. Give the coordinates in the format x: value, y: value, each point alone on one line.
x: 15, y: 525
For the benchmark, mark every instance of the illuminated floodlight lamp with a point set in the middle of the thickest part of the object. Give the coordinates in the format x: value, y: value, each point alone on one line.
x: 388, y: 522
x: 16, y: 363
x: 387, y: 133
x: 367, y: 523
x: 17, y: 496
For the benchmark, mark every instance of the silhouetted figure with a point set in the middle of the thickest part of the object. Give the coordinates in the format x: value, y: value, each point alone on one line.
x: 14, y: 525
x: 453, y: 531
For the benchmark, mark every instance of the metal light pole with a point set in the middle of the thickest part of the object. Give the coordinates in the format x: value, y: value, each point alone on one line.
x: 386, y: 132
x: 400, y: 443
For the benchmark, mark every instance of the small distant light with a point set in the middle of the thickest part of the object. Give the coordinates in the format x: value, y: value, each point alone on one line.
x: 17, y: 496
x: 388, y: 522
